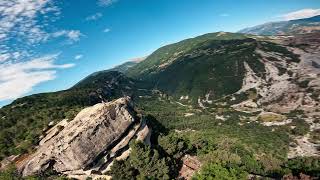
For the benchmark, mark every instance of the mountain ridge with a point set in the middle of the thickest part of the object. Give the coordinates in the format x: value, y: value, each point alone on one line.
x: 297, y: 26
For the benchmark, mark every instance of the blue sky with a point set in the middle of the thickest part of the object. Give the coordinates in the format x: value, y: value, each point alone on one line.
x: 48, y: 45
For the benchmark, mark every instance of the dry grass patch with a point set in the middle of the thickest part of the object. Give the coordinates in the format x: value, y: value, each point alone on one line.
x: 271, y: 117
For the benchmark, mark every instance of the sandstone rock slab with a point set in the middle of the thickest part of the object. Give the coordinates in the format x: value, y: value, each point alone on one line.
x: 83, y: 139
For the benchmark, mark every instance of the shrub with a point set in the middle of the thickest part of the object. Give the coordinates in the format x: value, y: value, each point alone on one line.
x: 217, y: 172
x: 143, y: 163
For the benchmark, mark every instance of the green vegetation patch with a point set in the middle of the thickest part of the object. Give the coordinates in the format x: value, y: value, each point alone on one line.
x: 164, y: 54
x: 214, y: 66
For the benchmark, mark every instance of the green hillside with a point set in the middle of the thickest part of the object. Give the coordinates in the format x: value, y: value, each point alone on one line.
x: 170, y: 52
x: 212, y: 63
x: 122, y: 68
x: 213, y: 66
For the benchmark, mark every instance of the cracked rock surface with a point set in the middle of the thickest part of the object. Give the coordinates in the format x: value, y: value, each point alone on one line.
x: 94, y: 130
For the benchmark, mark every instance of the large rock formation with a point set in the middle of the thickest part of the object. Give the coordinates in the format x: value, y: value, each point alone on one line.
x: 81, y: 142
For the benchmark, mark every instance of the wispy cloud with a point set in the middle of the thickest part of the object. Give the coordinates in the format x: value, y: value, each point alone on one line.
x: 106, y: 3
x: 300, y: 14
x: 72, y: 35
x: 94, y: 17
x: 17, y: 79
x: 78, y: 56
x: 18, y: 19
x: 106, y: 30
x: 25, y: 25
x: 12, y: 56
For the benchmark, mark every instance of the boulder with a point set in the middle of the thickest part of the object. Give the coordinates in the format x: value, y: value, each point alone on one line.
x: 91, y: 133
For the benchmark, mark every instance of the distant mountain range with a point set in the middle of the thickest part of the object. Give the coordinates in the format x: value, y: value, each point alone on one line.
x: 299, y: 26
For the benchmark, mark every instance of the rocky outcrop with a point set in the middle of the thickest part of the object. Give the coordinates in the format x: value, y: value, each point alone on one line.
x: 6, y: 162
x: 53, y: 131
x: 246, y: 106
x: 190, y: 165
x: 290, y: 82
x: 92, y: 134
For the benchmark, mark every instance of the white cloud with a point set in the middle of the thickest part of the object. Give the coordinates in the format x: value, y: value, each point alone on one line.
x: 18, y: 19
x: 72, y: 35
x: 78, y: 56
x: 300, y: 14
x: 17, y: 79
x: 106, y: 30
x: 106, y: 3
x: 26, y: 24
x: 94, y: 17
x: 12, y: 56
